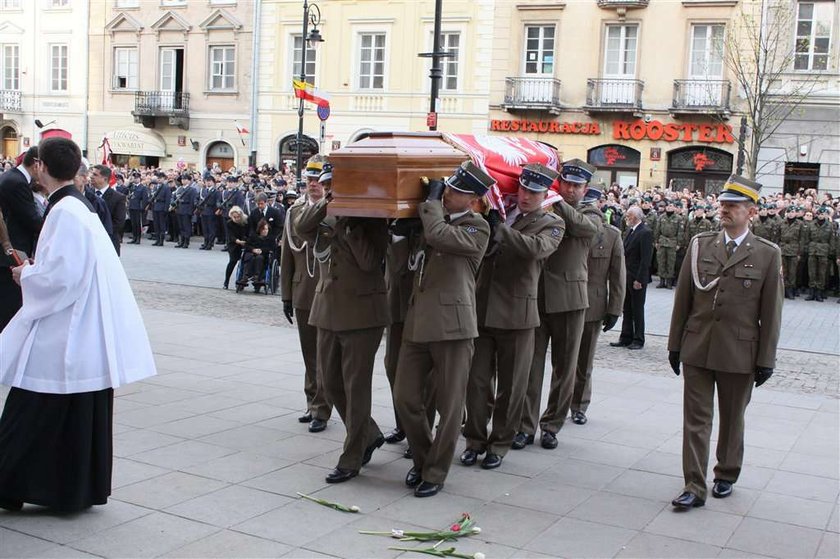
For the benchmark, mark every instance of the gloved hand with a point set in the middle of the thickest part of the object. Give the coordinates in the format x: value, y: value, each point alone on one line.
x: 494, y: 218
x: 609, y: 322
x: 288, y: 310
x: 404, y: 227
x: 761, y: 375
x: 674, y: 360
x: 434, y: 190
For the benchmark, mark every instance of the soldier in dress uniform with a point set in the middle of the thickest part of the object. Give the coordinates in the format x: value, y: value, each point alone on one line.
x: 185, y: 209
x: 819, y: 250
x: 299, y: 274
x: 724, y: 330
x: 440, y: 324
x: 562, y: 301
x: 666, y: 239
x: 138, y: 199
x: 171, y: 216
x: 160, y: 200
x: 350, y: 310
x: 506, y: 303
x: 208, y: 200
x: 605, y: 292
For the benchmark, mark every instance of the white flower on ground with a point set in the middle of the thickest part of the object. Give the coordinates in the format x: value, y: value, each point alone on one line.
x: 476, y: 530
x: 397, y: 533
x: 354, y: 508
x: 478, y: 555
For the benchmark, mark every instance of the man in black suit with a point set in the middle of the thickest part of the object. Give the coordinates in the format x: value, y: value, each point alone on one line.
x: 100, y: 176
x: 638, y: 253
x: 24, y: 224
x: 271, y: 215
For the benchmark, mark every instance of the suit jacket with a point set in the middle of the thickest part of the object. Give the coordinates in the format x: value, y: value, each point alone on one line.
x: 734, y: 326
x: 508, y: 280
x: 351, y: 293
x: 116, y: 206
x: 296, y: 283
x: 607, y: 279
x: 563, y: 281
x: 638, y: 253
x: 442, y: 305
x: 20, y: 212
x: 273, y: 216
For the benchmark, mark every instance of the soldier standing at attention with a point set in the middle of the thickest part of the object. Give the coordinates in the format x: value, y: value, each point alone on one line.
x: 506, y: 299
x: 819, y: 247
x: 185, y: 209
x: 160, y: 210
x: 605, y: 291
x: 299, y: 275
x: 138, y: 199
x: 350, y: 310
x: 441, y: 324
x: 208, y: 200
x: 666, y: 236
x: 724, y: 330
x: 562, y: 302
x: 697, y: 224
x: 791, y: 242
x: 760, y: 226
x: 775, y: 223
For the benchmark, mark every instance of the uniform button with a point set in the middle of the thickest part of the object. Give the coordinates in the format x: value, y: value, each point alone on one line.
x: 717, y: 319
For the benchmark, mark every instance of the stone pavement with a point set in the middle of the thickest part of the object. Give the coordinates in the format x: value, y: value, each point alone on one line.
x: 209, y: 457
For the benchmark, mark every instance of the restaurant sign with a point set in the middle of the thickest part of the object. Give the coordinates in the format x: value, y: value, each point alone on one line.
x: 671, y: 132
x: 545, y: 127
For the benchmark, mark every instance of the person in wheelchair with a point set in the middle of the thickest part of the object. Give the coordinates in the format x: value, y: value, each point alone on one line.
x: 256, y: 257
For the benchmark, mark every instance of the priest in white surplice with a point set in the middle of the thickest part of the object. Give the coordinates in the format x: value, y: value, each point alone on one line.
x: 65, y: 351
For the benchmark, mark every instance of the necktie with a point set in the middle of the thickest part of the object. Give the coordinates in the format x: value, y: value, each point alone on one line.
x: 730, y: 248
x: 99, y: 193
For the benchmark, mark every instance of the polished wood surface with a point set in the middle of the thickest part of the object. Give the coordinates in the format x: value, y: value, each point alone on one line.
x: 380, y: 176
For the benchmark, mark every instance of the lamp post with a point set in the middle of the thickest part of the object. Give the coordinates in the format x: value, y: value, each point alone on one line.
x: 311, y: 15
x: 436, y: 72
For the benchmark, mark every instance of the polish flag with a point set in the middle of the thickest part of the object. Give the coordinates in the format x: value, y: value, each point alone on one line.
x: 307, y: 92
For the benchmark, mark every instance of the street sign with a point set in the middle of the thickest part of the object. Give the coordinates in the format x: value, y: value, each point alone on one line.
x: 323, y: 112
x: 431, y: 120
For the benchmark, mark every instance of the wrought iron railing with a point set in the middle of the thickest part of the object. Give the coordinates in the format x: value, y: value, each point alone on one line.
x: 532, y: 92
x: 10, y: 100
x: 702, y: 94
x: 614, y: 94
x: 161, y: 103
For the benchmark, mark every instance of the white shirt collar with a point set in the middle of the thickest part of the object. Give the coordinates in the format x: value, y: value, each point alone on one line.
x: 102, y: 190
x: 738, y: 240
x: 26, y: 174
x: 453, y: 217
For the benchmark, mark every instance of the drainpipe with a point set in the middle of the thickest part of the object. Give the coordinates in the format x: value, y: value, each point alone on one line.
x: 255, y: 56
x: 85, y: 73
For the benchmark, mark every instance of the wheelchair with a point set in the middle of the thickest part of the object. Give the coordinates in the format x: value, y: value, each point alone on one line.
x: 267, y: 279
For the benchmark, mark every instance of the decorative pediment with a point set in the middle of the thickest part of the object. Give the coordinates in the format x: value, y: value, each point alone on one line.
x: 124, y: 22
x: 9, y: 27
x: 171, y: 21
x: 220, y: 19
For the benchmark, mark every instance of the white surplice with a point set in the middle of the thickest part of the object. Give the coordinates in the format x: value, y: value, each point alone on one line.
x: 79, y: 329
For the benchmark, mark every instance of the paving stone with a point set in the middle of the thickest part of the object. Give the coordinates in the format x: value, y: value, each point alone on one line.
x: 570, y: 537
x: 228, y: 506
x: 774, y: 539
x: 167, y: 490
x: 239, y: 467
x: 792, y: 510
x: 697, y: 525
x: 16, y: 544
x: 646, y: 485
x: 830, y: 546
x: 804, y: 486
x: 182, y: 454
x: 227, y: 544
x: 196, y: 426
x: 295, y: 524
x: 288, y: 481
x: 511, y: 526
x: 555, y: 499
x: 617, y: 510
x: 580, y: 474
x: 141, y: 440
x: 127, y: 471
x: 651, y: 545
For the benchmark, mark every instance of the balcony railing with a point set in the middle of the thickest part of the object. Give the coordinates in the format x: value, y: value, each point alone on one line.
x: 532, y: 93
x: 614, y: 95
x: 701, y: 96
x: 622, y: 3
x: 161, y: 103
x: 10, y: 100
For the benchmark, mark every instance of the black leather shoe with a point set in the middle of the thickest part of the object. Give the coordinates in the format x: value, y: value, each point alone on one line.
x: 491, y: 461
x: 635, y: 346
x: 412, y: 478
x: 521, y: 440
x: 618, y: 344
x: 427, y: 489
x: 305, y: 418
x: 579, y: 418
x: 687, y: 501
x: 408, y: 454
x: 548, y: 440
x: 721, y: 489
x: 340, y: 475
x: 11, y: 506
x: 317, y: 425
x: 380, y: 440
x: 395, y: 436
x: 470, y: 456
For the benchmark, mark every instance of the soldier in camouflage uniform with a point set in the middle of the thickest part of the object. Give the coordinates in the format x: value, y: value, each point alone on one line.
x: 775, y: 223
x: 761, y: 224
x: 697, y: 224
x: 791, y: 243
x: 819, y: 248
x: 666, y: 239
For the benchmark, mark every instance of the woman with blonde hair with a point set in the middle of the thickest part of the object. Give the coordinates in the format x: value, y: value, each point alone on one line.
x: 237, y: 234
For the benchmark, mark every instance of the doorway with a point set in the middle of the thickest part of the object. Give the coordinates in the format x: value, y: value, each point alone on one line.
x: 616, y: 164
x: 171, y: 77
x: 220, y: 154
x: 698, y: 169
x: 801, y: 176
x: 9, y: 142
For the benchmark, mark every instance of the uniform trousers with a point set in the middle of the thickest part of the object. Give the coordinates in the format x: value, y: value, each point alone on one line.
x: 564, y: 330
x: 789, y: 264
x: 817, y: 271
x: 185, y: 227
x: 313, y: 383
x: 506, y: 356
x: 208, y: 229
x: 160, y: 222
x: 444, y: 365
x: 136, y: 224
x: 734, y: 391
x: 346, y: 360
x: 172, y: 226
x: 582, y: 393
x: 666, y: 260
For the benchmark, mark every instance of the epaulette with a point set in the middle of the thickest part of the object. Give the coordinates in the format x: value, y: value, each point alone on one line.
x: 766, y: 242
x: 614, y: 228
x: 707, y: 234
x: 551, y: 215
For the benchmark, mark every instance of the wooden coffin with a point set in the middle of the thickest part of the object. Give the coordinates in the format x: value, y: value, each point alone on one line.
x: 380, y: 176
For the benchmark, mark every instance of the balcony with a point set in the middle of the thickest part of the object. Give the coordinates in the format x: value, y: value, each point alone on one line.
x: 622, y: 3
x: 148, y: 105
x: 701, y: 97
x: 10, y: 100
x: 613, y: 95
x: 535, y: 94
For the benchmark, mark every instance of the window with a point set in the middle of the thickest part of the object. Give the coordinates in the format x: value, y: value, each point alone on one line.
x: 620, y: 51
x: 222, y: 67
x: 10, y: 65
x: 125, y: 68
x: 222, y: 2
x: 372, y: 61
x: 59, y: 3
x: 813, y: 35
x: 173, y: 2
x: 706, y: 51
x: 450, y: 42
x: 58, y: 67
x: 539, y: 50
x: 128, y: 3
x: 297, y: 42
x: 9, y: 4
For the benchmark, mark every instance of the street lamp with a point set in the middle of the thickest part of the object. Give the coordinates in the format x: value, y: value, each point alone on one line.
x: 311, y: 39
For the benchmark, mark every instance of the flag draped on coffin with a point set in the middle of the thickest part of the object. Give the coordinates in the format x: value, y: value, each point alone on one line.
x: 502, y: 158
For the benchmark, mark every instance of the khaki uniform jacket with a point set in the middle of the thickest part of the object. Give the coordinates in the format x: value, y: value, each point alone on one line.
x: 442, y: 303
x: 508, y: 279
x: 563, y: 281
x: 296, y: 285
x: 792, y: 238
x: 733, y: 327
x: 398, y: 277
x: 607, y: 275
x: 350, y: 294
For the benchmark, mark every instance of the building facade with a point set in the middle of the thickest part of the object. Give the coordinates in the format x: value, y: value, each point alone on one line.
x: 369, y: 65
x: 43, y: 72
x: 171, y: 82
